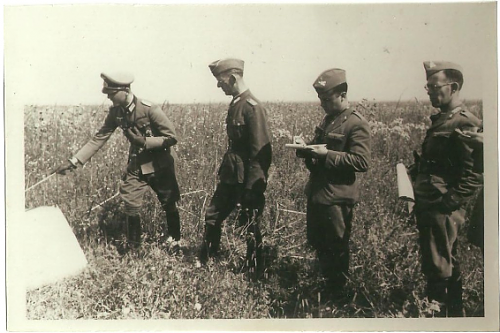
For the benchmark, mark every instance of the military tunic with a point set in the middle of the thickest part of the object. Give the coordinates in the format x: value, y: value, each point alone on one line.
x: 244, y: 168
x: 445, y: 171
x: 475, y: 234
x: 153, y: 164
x: 333, y: 189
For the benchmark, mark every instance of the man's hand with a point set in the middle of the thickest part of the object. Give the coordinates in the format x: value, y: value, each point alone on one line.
x: 134, y: 137
x: 317, y: 151
x: 299, y: 140
x: 64, y: 167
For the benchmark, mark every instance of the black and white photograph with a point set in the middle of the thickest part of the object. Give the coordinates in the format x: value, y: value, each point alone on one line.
x: 171, y: 165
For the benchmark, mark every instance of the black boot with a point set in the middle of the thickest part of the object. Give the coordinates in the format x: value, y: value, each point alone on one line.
x: 211, y: 242
x: 436, y: 291
x: 135, y: 231
x: 454, y: 300
x: 131, y: 234
x: 173, y: 225
x: 254, y: 251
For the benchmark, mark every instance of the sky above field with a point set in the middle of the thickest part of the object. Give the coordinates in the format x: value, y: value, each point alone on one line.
x: 55, y: 54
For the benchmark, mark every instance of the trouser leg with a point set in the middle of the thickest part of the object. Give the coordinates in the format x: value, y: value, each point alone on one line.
x: 164, y: 184
x: 132, y: 190
x: 221, y: 205
x: 328, y: 231
x: 438, y: 243
x: 250, y: 217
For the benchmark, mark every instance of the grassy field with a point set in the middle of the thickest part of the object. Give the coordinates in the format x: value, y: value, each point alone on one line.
x: 385, y: 276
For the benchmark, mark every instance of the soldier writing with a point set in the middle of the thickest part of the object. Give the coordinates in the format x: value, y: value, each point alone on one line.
x: 151, y: 160
x: 444, y: 181
x: 332, y: 189
x: 243, y: 172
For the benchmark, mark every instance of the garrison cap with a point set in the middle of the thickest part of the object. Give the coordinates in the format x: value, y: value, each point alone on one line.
x: 223, y: 65
x: 432, y: 67
x: 114, y: 82
x: 329, y: 79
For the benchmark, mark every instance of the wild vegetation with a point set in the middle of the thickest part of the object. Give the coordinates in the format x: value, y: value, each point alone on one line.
x: 155, y: 283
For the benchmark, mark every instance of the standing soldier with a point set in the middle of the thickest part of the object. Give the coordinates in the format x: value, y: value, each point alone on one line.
x: 244, y: 169
x: 444, y: 181
x: 151, y: 160
x: 332, y: 189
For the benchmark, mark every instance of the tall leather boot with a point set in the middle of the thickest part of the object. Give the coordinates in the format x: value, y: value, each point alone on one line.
x: 454, y: 293
x: 254, y: 250
x: 135, y: 231
x: 211, y: 242
x: 436, y: 291
x: 174, y: 224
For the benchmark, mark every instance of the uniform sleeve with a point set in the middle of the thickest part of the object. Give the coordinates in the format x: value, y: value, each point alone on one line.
x: 358, y: 156
x: 469, y: 179
x: 259, y: 148
x: 165, y: 127
x: 98, y: 140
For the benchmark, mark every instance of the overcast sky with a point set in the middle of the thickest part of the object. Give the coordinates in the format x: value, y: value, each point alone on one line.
x: 55, y: 54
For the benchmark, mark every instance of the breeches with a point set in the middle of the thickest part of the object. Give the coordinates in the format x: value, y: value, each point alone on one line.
x: 134, y: 185
x: 438, y: 241
x: 225, y: 199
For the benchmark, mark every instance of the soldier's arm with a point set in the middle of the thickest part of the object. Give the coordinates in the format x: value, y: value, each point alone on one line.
x: 166, y: 128
x: 358, y: 155
x: 469, y: 180
x: 98, y: 140
x: 259, y: 144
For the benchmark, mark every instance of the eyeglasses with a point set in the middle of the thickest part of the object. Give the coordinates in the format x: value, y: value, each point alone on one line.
x: 435, y: 87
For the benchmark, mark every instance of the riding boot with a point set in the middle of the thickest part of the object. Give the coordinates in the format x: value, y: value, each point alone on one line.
x: 454, y: 301
x: 254, y: 249
x: 211, y: 242
x: 135, y: 231
x: 436, y: 291
x: 173, y: 225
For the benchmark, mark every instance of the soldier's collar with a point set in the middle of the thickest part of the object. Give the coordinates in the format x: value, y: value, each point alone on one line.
x: 131, y: 107
x: 450, y: 113
x: 238, y: 97
x: 336, y: 114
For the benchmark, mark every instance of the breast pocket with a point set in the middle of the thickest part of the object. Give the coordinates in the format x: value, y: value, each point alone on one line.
x: 144, y: 126
x: 335, y: 141
x: 439, y: 145
x: 236, y: 129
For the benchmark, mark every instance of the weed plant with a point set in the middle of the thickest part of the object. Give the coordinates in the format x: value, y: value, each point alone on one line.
x: 154, y: 283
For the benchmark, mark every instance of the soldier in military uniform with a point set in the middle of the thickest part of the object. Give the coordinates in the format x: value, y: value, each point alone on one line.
x: 243, y: 172
x: 151, y: 160
x: 444, y: 181
x: 342, y: 148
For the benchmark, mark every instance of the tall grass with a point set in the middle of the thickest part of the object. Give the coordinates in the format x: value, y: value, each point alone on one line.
x: 385, y: 278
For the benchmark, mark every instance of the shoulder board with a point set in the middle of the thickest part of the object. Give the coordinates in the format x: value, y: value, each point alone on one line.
x: 146, y: 103
x: 465, y: 113
x: 357, y: 114
x: 251, y: 101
